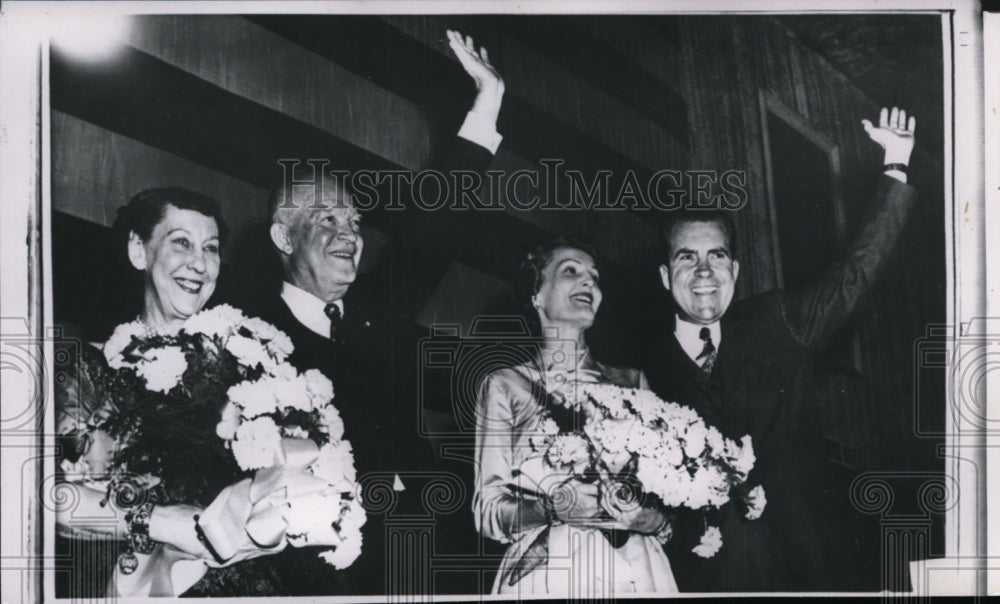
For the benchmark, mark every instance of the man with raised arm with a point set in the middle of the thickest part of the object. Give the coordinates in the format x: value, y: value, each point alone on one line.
x: 320, y: 242
x: 745, y: 368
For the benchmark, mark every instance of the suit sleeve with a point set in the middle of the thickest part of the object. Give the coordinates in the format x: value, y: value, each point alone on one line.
x: 467, y: 156
x: 818, y: 311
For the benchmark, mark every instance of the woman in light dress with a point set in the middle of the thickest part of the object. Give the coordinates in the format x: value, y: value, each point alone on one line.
x: 566, y: 537
x: 173, y: 237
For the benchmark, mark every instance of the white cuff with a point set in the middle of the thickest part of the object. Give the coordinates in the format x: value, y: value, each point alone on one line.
x: 481, y: 130
x: 897, y: 174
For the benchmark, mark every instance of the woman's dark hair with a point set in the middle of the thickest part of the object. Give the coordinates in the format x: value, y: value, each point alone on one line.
x: 530, y: 274
x: 146, y: 209
x: 141, y: 214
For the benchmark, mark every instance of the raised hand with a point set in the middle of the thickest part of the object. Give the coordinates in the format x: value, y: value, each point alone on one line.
x: 489, y: 83
x: 894, y: 134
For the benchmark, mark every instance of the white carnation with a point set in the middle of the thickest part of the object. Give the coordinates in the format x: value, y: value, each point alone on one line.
x: 333, y: 424
x: 121, y: 338
x: 741, y: 457
x: 676, y: 485
x: 294, y: 394
x: 611, y: 434
x: 229, y: 421
x: 311, y: 517
x: 669, y: 454
x: 282, y: 371
x: 254, y: 398
x: 569, y: 452
x: 257, y: 443
x: 215, y: 322
x: 278, y: 343
x: 354, y: 512
x: 347, y: 552
x: 319, y: 386
x: 670, y: 484
x: 248, y: 352
x: 679, y: 415
x: 548, y: 426
x: 644, y: 441
x: 335, y: 464
x: 711, y: 541
x: 260, y: 328
x: 714, y: 440
x: 756, y: 501
x: 648, y: 406
x: 162, y: 368
x: 611, y: 398
x: 708, y: 488
x: 694, y: 439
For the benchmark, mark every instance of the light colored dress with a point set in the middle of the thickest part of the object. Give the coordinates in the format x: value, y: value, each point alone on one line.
x: 581, y: 562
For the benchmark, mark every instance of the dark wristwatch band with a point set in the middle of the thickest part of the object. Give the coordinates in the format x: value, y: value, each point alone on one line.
x: 901, y: 167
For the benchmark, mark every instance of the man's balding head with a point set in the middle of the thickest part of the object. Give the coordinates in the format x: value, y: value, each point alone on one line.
x: 317, y: 232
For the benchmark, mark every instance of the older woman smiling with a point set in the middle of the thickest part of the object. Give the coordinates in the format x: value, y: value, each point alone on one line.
x: 173, y: 236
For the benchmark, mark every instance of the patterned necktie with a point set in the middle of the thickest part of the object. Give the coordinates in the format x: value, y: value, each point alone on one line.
x: 333, y: 311
x: 708, y: 352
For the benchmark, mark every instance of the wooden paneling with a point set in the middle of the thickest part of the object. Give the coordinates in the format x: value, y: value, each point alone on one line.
x: 96, y: 171
x: 561, y: 93
x: 250, y: 61
x: 872, y: 412
x: 908, y: 46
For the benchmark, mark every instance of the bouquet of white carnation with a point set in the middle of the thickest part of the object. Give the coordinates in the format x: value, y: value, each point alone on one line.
x: 664, y: 448
x: 216, y: 403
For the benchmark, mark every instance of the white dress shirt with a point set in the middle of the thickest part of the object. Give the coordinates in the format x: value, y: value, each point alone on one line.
x: 308, y: 309
x: 689, y: 337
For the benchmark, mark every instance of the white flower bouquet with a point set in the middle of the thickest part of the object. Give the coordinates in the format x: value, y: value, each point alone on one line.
x: 216, y: 402
x: 663, y: 448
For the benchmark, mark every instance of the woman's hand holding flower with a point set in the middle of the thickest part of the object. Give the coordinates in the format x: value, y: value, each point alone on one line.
x: 576, y: 502
x: 629, y: 513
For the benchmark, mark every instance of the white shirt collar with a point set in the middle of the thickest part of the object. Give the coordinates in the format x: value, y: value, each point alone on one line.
x: 308, y: 309
x: 689, y: 336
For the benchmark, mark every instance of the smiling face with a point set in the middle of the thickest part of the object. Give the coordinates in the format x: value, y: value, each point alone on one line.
x: 321, y: 243
x: 181, y: 261
x: 570, y: 293
x: 701, y: 274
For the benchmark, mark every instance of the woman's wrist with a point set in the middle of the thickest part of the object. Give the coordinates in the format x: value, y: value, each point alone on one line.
x: 536, y: 512
x: 664, y: 531
x: 168, y: 522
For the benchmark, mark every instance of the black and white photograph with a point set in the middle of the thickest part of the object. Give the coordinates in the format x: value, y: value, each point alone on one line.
x: 417, y: 301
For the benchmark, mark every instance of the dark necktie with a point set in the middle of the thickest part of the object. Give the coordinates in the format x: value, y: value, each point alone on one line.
x: 707, y: 356
x: 333, y: 311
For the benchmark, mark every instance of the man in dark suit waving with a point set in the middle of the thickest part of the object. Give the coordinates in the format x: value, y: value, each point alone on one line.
x: 745, y: 368
x: 316, y: 231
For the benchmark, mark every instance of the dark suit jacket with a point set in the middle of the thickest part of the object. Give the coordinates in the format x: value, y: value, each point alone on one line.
x: 761, y: 386
x: 373, y: 369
